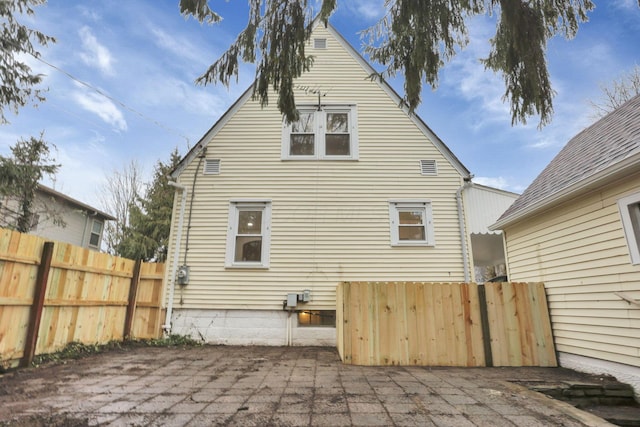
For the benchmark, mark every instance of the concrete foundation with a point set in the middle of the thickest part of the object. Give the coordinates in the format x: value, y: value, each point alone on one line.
x: 624, y: 373
x: 249, y: 327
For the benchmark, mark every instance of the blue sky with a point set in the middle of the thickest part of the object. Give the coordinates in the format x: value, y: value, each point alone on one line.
x: 144, y: 56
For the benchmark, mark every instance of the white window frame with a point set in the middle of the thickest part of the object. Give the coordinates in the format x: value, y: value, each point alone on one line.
x: 235, y: 207
x: 396, y: 206
x: 92, y: 232
x: 319, y: 132
x: 629, y: 208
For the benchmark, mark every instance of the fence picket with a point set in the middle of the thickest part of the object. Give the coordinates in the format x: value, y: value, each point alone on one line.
x: 85, y: 299
x: 441, y: 324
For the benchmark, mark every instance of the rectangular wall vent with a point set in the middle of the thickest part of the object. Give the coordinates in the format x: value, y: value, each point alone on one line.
x: 211, y: 167
x: 319, y: 43
x: 428, y: 167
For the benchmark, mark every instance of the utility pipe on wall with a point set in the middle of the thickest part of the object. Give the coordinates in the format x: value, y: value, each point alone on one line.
x: 167, y: 322
x: 463, y: 230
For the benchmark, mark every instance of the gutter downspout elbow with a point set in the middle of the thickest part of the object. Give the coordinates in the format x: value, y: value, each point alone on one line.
x: 463, y: 229
x: 167, y: 322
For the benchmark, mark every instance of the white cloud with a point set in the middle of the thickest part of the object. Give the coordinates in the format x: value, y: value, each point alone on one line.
x: 165, y: 90
x: 499, y: 182
x: 480, y: 88
x: 496, y: 182
x: 102, y: 107
x: 95, y: 54
x: 178, y: 46
x: 81, y: 174
x: 365, y: 9
x: 626, y: 4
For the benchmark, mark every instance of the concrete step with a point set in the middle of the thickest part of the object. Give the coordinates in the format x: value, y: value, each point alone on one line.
x: 618, y: 415
x: 611, y: 400
x: 583, y: 394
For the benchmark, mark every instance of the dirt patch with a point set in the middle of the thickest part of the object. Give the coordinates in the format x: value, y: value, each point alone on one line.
x: 46, y: 421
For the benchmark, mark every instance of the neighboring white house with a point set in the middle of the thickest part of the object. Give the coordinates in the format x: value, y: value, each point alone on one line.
x: 577, y: 229
x: 82, y: 225
x: 483, y: 206
x: 269, y: 217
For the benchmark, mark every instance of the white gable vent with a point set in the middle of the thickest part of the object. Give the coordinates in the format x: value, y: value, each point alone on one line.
x: 428, y: 167
x: 319, y: 43
x: 211, y: 167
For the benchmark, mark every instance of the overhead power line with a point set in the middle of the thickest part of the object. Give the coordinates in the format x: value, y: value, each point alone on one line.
x: 111, y: 98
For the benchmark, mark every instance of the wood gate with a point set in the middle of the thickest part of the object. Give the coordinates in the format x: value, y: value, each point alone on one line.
x: 444, y: 324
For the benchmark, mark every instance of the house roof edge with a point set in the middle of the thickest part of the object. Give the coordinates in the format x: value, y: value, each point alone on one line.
x: 426, y: 130
x: 71, y: 200
x: 613, y: 173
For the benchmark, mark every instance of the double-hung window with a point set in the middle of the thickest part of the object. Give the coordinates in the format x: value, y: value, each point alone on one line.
x: 411, y: 223
x: 326, y: 134
x: 249, y: 234
x: 629, y: 208
x: 96, y: 234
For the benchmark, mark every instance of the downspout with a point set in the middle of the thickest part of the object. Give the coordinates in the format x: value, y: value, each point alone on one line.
x: 167, y: 322
x: 463, y: 229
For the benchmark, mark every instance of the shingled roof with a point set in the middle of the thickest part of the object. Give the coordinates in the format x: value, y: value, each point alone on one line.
x: 606, y: 145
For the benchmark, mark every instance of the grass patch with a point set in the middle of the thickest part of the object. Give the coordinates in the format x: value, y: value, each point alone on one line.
x: 76, y: 350
x: 170, y: 341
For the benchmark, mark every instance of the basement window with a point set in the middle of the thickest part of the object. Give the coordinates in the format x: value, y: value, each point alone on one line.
x: 629, y: 208
x: 317, y: 318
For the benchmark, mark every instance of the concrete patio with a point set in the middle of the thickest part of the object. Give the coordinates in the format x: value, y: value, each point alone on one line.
x: 279, y: 386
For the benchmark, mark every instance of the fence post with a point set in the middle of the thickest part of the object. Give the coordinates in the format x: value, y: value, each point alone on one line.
x: 484, y: 321
x: 131, y: 306
x: 37, y: 305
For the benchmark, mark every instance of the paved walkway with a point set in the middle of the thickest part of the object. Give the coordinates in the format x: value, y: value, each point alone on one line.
x: 279, y: 386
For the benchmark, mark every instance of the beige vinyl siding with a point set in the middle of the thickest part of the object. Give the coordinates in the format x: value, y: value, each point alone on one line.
x: 330, y: 219
x: 579, y: 251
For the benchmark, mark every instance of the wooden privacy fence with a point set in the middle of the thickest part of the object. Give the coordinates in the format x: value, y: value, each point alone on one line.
x: 444, y: 324
x: 52, y: 294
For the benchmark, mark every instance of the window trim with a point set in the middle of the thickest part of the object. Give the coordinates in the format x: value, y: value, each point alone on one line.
x: 633, y: 242
x: 320, y: 132
x: 394, y: 221
x: 91, y: 232
x: 235, y: 206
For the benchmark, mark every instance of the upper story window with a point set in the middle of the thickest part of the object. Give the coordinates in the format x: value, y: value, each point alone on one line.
x: 411, y: 223
x: 327, y: 134
x: 96, y: 234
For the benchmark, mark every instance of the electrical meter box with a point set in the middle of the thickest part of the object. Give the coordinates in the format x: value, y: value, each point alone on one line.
x: 183, y: 275
x: 292, y: 300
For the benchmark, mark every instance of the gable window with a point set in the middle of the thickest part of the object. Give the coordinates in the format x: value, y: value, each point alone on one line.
x: 249, y: 234
x: 629, y: 208
x: 96, y: 234
x: 411, y: 223
x: 327, y: 134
